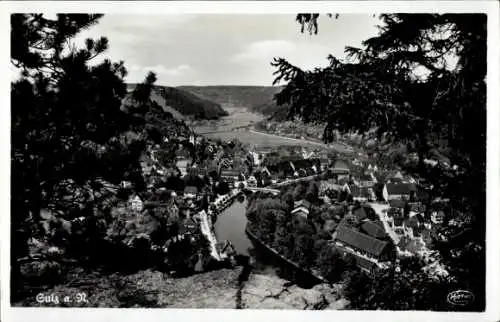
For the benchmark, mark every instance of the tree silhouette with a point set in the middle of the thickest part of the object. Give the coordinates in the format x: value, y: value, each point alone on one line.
x: 68, y: 125
x: 378, y: 93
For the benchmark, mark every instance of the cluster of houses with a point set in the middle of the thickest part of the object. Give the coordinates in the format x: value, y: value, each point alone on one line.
x: 406, y: 226
x: 273, y: 168
x: 370, y: 240
x: 363, y: 238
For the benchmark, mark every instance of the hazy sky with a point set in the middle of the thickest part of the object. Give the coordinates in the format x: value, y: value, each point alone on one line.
x: 216, y: 49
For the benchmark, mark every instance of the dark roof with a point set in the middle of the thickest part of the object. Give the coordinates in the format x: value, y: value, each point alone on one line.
x: 360, y: 241
x: 373, y: 230
x: 343, y: 181
x: 397, y: 203
x: 420, y: 218
x: 422, y: 195
x: 287, y: 158
x: 190, y: 222
x: 230, y: 173
x: 359, y: 191
x: 393, y: 212
x: 324, y: 160
x: 366, y: 177
x: 400, y: 188
x: 440, y: 214
x: 398, y: 220
x: 381, y: 177
x: 403, y: 242
x: 191, y: 189
x: 340, y: 167
x: 360, y: 261
x: 417, y: 207
x: 414, y: 246
x: 360, y: 213
x: 364, y: 263
x: 196, y: 170
x: 426, y: 233
x: 412, y: 222
x: 395, y: 180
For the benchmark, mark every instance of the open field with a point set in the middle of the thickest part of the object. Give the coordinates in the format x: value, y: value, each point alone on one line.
x: 242, y: 117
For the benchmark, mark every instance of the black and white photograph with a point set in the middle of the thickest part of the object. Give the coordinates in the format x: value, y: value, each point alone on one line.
x: 306, y: 160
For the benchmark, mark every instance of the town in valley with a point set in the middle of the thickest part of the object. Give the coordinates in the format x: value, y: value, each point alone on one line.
x: 355, y: 185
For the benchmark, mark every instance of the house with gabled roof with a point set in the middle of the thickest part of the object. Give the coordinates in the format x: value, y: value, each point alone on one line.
x: 340, y: 169
x: 230, y: 174
x: 197, y: 171
x: 361, y: 246
x: 401, y: 191
x: 397, y: 203
x: 135, y: 203
x: 360, y: 214
x: 397, y: 223
x: 361, y: 194
x: 265, y: 171
x: 182, y: 165
x: 367, y: 180
x: 411, y: 225
x: 301, y: 208
x: 372, y: 229
x: 394, y: 212
x: 252, y: 181
x: 191, y: 225
x: 190, y: 192
x: 324, y: 163
x: 416, y: 208
x: 363, y: 263
x: 395, y: 180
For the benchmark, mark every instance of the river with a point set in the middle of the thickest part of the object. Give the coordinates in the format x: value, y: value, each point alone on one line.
x: 230, y: 225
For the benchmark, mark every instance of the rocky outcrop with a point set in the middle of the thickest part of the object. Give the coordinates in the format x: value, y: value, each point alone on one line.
x: 271, y: 292
x: 225, y: 288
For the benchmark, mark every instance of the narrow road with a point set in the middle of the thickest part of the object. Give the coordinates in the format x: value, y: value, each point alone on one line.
x: 288, y: 138
x: 336, y: 146
x: 379, y: 208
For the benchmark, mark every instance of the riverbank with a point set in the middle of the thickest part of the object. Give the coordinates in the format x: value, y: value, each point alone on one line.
x: 314, y: 275
x: 220, y: 289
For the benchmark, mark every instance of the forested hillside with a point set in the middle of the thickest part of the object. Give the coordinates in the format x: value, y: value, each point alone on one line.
x: 181, y: 103
x: 256, y: 98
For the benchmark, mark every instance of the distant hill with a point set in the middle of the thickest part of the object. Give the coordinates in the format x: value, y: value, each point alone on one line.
x: 182, y: 104
x: 271, y: 110
x: 158, y: 121
x: 255, y: 98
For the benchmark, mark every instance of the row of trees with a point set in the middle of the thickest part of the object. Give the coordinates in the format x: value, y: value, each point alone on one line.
x: 303, y: 241
x: 73, y: 128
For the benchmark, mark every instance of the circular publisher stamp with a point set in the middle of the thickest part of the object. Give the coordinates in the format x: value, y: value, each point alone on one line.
x: 57, y: 299
x: 460, y: 298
